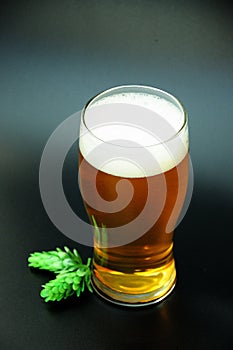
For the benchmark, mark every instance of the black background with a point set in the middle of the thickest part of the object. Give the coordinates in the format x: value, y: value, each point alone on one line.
x: 55, y: 55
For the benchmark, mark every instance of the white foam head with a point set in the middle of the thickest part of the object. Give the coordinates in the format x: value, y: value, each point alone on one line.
x: 133, y: 134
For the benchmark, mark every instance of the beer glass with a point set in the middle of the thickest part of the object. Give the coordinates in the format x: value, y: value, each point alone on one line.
x: 133, y: 175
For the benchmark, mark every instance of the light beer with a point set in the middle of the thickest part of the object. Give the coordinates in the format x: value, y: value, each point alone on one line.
x: 142, y: 270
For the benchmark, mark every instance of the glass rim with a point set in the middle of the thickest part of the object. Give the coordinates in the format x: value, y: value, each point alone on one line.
x: 137, y: 86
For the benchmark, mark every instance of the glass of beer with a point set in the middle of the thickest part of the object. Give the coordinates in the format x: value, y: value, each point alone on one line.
x: 133, y: 175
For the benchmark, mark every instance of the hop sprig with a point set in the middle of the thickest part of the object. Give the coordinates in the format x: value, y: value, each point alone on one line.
x: 72, y: 274
x: 56, y: 260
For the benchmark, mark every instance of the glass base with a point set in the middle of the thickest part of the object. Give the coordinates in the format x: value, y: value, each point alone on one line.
x: 133, y: 299
x: 135, y: 304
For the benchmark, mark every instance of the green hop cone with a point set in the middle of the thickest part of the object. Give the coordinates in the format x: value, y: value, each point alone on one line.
x: 67, y: 284
x: 56, y: 260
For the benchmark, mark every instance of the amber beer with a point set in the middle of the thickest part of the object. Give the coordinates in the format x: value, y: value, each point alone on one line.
x: 142, y: 270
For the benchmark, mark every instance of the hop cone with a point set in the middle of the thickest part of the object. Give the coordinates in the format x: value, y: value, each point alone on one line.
x: 67, y: 284
x: 56, y: 260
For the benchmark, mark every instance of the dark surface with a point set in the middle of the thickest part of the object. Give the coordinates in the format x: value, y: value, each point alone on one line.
x: 55, y: 55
